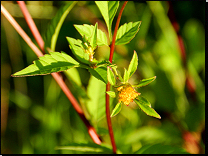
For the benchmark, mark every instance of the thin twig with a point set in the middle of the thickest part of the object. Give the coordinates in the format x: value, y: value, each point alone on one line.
x: 56, y: 76
x: 108, y: 84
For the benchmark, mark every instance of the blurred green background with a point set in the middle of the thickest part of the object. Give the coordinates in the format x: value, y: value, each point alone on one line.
x: 36, y: 116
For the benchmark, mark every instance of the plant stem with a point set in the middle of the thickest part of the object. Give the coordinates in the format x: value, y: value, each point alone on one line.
x: 56, y: 76
x: 108, y: 84
x: 115, y: 32
x: 32, y: 25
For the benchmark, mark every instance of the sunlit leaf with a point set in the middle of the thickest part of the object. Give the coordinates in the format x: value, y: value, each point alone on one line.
x: 108, y: 10
x: 127, y: 32
x: 111, y: 94
x: 53, y: 29
x: 145, y: 106
x: 116, y: 110
x: 87, y: 148
x: 96, y: 104
x: 87, y: 30
x: 93, y: 40
x: 110, y: 76
x: 78, y: 50
x: 145, y: 82
x: 126, y: 76
x: 55, y: 62
x: 133, y: 65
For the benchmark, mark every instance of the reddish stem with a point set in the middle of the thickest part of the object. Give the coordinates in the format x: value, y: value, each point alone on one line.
x: 56, y: 76
x: 108, y: 85
x: 32, y: 25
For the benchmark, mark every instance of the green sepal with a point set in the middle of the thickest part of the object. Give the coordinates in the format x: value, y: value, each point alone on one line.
x: 111, y: 94
x: 116, y: 109
x: 126, y: 76
x: 133, y: 65
x: 93, y: 40
x: 145, y: 106
x: 145, y: 82
x: 110, y: 76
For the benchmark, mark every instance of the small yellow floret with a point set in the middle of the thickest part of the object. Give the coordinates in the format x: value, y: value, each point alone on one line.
x: 127, y: 94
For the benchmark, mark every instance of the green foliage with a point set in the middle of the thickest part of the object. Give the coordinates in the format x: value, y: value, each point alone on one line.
x: 88, y: 148
x: 86, y: 30
x: 38, y: 112
x: 133, y: 65
x: 127, y: 32
x: 111, y: 77
x: 55, y: 62
x: 145, y: 105
x: 116, y: 109
x: 108, y: 10
x: 145, y: 82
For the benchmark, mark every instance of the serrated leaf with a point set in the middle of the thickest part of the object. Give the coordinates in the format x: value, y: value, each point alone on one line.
x: 126, y: 76
x: 87, y: 148
x: 110, y: 76
x: 133, y: 64
x: 145, y: 106
x: 160, y: 149
x: 127, y: 32
x: 116, y: 110
x: 111, y: 94
x: 145, y: 82
x: 93, y: 40
x: 86, y: 30
x: 108, y: 10
x: 78, y: 50
x: 53, y: 29
x: 55, y: 62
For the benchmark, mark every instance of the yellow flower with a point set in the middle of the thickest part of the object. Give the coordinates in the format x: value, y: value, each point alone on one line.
x: 127, y: 94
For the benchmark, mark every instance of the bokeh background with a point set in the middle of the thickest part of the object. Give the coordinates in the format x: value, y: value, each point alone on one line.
x: 36, y: 116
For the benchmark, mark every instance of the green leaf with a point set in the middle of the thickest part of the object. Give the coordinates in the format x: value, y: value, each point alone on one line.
x: 93, y: 40
x: 53, y: 29
x: 110, y: 76
x: 75, y: 83
x: 87, y: 30
x: 78, y: 50
x: 55, y: 62
x: 133, y: 65
x: 145, y: 105
x: 145, y: 82
x: 96, y: 103
x: 126, y: 76
x: 108, y: 10
x: 127, y: 32
x: 116, y: 110
x: 160, y: 149
x: 89, y: 148
x: 111, y: 94
x: 100, y: 72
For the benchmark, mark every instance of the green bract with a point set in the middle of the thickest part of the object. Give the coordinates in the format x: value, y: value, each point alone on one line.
x: 126, y: 93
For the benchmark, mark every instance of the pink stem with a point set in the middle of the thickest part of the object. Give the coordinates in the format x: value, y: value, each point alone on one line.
x: 31, y: 25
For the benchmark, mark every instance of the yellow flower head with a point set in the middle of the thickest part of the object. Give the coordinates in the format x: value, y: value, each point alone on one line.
x: 127, y: 94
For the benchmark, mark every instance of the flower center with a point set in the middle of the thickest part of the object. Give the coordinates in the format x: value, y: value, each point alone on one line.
x: 127, y: 94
